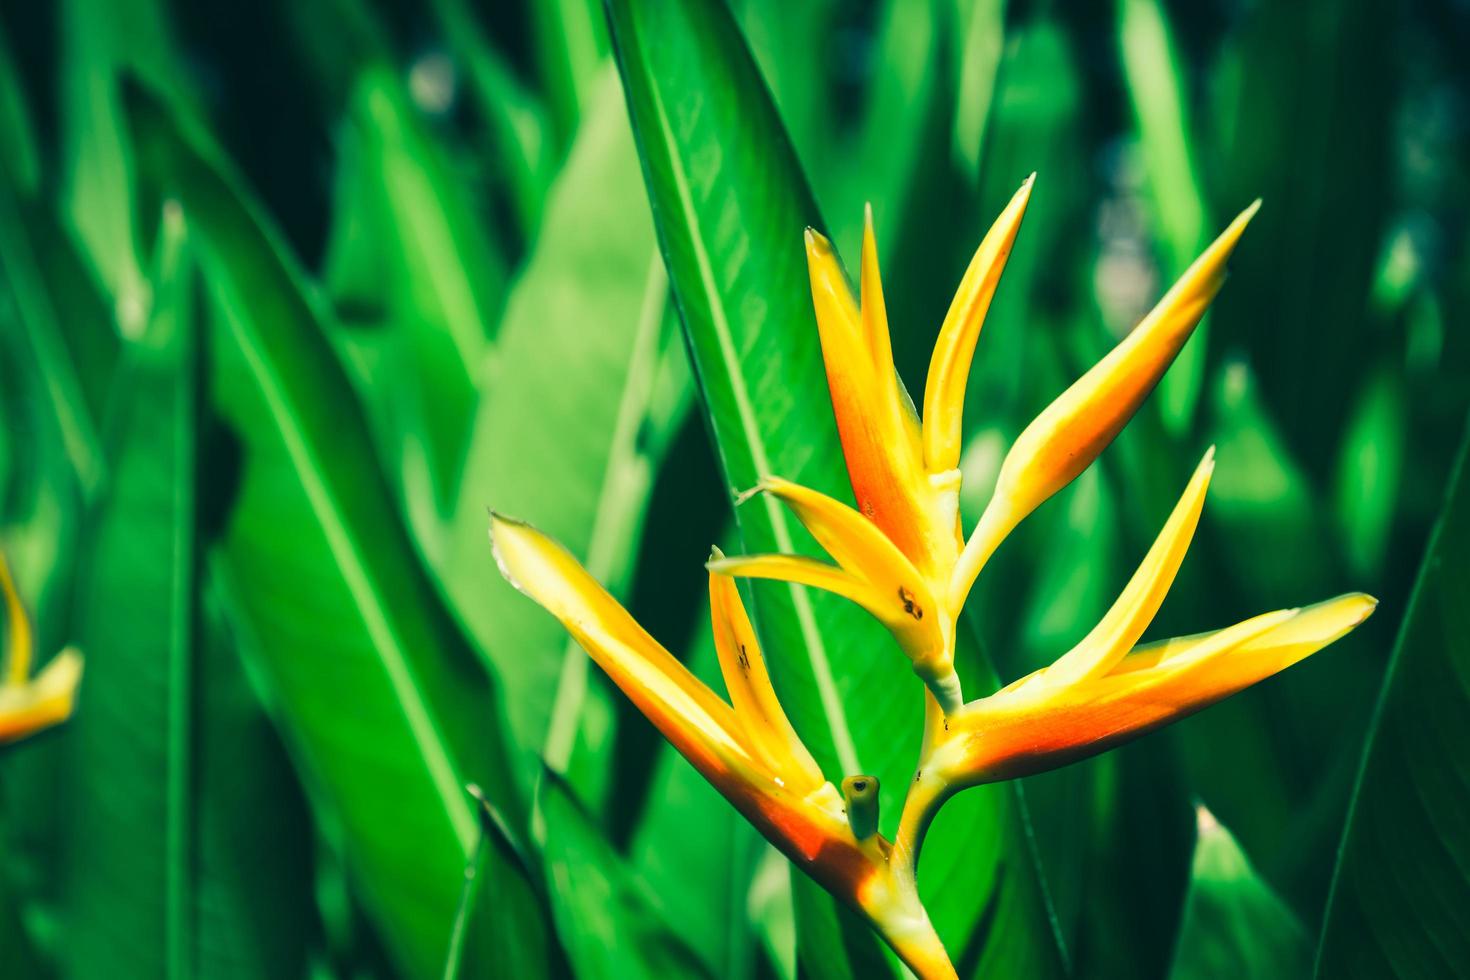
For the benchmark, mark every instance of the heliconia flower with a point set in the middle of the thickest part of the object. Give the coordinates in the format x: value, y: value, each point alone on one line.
x: 746, y: 748
x: 901, y: 554
x: 29, y: 705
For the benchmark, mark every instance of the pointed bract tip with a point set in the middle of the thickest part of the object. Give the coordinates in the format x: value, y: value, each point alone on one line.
x: 502, y: 536
x: 499, y: 520
x: 1023, y: 194
x: 715, y: 554
x: 1244, y: 218
x: 815, y: 240
x: 1370, y: 603
x: 1211, y: 261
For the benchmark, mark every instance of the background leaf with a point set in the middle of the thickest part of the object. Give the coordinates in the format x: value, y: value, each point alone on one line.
x: 410, y: 266
x: 1233, y: 924
x: 310, y: 500
x: 1401, y: 860
x: 580, y: 466
x: 611, y: 925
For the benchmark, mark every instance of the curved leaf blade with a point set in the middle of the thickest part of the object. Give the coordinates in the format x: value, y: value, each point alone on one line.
x: 568, y: 430
x: 1400, y: 899
x: 384, y: 701
x: 729, y: 201
x: 1234, y: 925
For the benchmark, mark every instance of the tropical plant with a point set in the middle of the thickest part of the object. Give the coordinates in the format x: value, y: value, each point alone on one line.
x: 900, y: 555
x: 291, y: 294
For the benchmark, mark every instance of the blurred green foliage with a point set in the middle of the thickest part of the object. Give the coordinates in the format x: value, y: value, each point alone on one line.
x: 290, y: 293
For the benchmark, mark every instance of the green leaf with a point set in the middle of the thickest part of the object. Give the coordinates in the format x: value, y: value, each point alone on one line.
x: 1033, y: 124
x: 1290, y: 739
x: 1158, y: 91
x: 611, y: 925
x: 980, y: 52
x: 1118, y: 875
x: 100, y: 39
x: 254, y: 910
x: 42, y: 513
x: 577, y: 407
x: 791, y: 46
x: 67, y: 344
x: 569, y: 42
x: 21, y: 960
x: 1234, y: 925
x: 135, y: 711
x: 1369, y: 466
x: 515, y: 117
x: 19, y: 155
x: 516, y: 955
x: 1324, y: 203
x: 164, y: 710
x: 729, y: 201
x: 410, y: 257
x: 1261, y: 503
x: 1400, y: 899
x: 322, y: 578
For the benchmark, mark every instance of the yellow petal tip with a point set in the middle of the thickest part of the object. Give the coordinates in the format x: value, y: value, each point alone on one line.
x: 1237, y: 227
x: 499, y: 526
x: 1366, y: 602
x: 1207, y: 463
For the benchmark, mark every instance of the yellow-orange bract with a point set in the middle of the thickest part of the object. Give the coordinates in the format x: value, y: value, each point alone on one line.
x: 902, y: 555
x: 747, y: 749
x: 1042, y: 722
x: 28, y: 705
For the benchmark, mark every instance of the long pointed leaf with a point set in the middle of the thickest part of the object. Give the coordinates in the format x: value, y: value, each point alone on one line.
x: 730, y: 200
x: 413, y: 263
x: 1400, y: 900
x: 568, y: 431
x: 377, y: 689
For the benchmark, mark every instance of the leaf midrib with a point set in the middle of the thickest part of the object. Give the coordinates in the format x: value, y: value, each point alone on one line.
x: 608, y: 519
x: 821, y: 666
x: 430, y: 743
